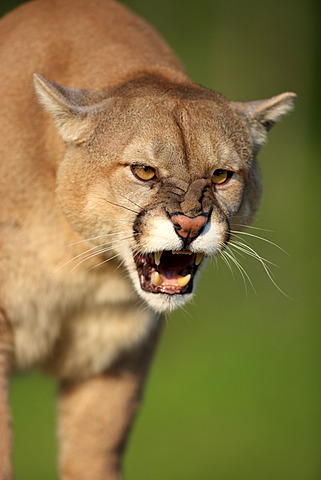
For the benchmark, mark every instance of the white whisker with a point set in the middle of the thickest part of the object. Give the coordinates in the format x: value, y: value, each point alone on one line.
x: 97, y: 248
x: 254, y: 228
x: 227, y: 262
x: 108, y: 259
x: 252, y: 253
x: 101, y: 251
x: 186, y: 312
x: 98, y: 236
x: 240, y: 268
x: 245, y: 248
x: 259, y: 238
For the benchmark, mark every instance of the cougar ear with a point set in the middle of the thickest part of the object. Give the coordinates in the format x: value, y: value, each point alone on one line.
x: 263, y: 114
x: 72, y: 109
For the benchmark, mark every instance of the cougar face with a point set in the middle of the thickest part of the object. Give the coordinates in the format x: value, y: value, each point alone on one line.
x: 170, y: 168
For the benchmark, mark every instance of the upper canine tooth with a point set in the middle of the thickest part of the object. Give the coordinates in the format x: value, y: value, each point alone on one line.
x: 157, y: 279
x: 157, y: 257
x: 182, y: 281
x: 199, y: 258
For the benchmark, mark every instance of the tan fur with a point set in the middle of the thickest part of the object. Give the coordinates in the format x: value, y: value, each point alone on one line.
x: 114, y: 96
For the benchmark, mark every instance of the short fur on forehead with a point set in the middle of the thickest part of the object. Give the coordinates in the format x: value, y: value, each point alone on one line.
x: 75, y: 111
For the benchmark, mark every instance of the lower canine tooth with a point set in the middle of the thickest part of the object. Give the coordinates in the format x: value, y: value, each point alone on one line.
x: 199, y: 258
x: 157, y: 279
x: 182, y: 281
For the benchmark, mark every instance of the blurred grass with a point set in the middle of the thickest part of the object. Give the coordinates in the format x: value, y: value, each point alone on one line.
x: 234, y: 393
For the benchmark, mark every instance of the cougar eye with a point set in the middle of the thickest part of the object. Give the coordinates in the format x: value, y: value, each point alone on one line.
x: 221, y: 176
x: 142, y: 172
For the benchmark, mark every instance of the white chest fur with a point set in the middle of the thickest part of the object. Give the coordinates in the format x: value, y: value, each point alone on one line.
x: 78, y: 324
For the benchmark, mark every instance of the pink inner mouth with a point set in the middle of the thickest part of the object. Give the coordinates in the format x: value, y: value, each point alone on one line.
x: 172, y: 275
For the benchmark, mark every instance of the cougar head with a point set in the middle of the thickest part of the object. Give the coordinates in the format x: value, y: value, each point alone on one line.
x: 168, y: 168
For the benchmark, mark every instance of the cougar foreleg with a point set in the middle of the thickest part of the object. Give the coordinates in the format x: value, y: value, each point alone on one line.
x: 96, y: 415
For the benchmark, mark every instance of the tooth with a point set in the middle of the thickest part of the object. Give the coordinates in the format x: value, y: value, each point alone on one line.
x: 181, y: 252
x: 199, y: 258
x: 157, y: 257
x: 182, y: 281
x: 157, y: 279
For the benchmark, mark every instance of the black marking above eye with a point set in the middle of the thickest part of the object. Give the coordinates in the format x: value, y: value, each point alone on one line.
x: 143, y: 172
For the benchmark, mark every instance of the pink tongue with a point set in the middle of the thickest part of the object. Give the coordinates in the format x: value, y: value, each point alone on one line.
x: 172, y: 266
x: 170, y: 280
x: 170, y: 275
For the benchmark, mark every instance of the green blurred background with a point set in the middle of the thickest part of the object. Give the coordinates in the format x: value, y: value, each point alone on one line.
x: 234, y: 392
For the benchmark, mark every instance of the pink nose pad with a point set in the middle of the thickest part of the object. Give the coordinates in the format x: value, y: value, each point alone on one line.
x: 188, y: 226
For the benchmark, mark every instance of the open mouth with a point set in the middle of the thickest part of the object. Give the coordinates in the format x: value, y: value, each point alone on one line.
x: 170, y: 272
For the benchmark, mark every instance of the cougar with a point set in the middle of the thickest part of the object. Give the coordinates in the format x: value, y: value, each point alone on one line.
x: 119, y: 178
